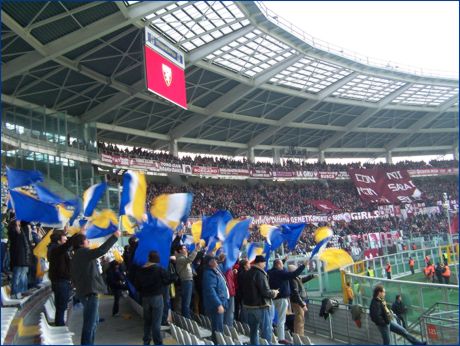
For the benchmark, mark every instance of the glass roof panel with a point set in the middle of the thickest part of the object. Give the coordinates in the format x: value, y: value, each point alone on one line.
x: 310, y: 75
x: 428, y: 95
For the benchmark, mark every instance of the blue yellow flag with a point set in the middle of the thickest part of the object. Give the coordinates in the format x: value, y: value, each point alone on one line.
x: 102, y: 224
x: 211, y: 224
x: 154, y: 236
x: 234, y: 240
x: 254, y: 249
x: 172, y: 209
x: 91, y: 197
x: 291, y: 233
x: 319, y: 247
x: 21, y: 177
x: 134, y: 195
x: 335, y: 258
x: 31, y: 209
x: 273, y: 235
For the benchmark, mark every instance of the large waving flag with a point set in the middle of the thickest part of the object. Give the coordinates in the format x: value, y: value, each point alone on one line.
x: 211, y: 224
x: 102, y: 224
x: 134, y: 195
x: 30, y: 209
x: 319, y: 247
x: 154, y: 236
x: 238, y: 232
x: 273, y: 235
x: 41, y: 249
x: 187, y: 240
x: 254, y: 249
x: 335, y: 258
x: 91, y: 197
x: 172, y: 209
x: 322, y: 233
x: 291, y: 233
x: 127, y: 225
x: 50, y: 197
x: 21, y: 177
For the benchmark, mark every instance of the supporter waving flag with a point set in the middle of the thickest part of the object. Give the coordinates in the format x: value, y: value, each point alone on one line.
x: 134, y: 195
x: 91, y: 197
x: 238, y: 232
x: 30, y: 209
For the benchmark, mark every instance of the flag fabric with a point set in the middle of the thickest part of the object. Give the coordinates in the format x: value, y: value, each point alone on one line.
x: 117, y: 256
x: 187, y: 240
x: 234, y: 240
x: 91, y: 197
x: 213, y: 245
x: 196, y: 231
x: 273, y: 235
x: 253, y: 250
x: 210, y: 224
x: 102, y: 224
x: 335, y: 258
x: 319, y: 247
x: 154, y: 236
x: 127, y: 225
x: 172, y: 209
x: 41, y: 249
x: 31, y: 209
x: 322, y: 233
x: 21, y: 177
x: 291, y: 233
x: 134, y: 195
x: 48, y: 196
x: 323, y: 205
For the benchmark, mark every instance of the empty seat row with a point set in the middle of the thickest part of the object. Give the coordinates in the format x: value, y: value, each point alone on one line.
x: 184, y: 337
x: 54, y: 335
x: 7, y: 317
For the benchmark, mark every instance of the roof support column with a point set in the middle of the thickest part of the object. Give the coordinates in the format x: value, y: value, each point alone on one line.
x: 389, y: 157
x: 173, y: 150
x: 251, y: 157
x: 276, y: 156
x: 321, y: 158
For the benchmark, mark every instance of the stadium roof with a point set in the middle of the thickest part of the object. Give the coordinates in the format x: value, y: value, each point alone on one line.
x: 252, y: 81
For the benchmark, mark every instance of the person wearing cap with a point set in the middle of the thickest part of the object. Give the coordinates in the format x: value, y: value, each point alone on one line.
x: 298, y: 299
x: 88, y: 281
x: 279, y: 279
x: 215, y: 295
x: 257, y: 300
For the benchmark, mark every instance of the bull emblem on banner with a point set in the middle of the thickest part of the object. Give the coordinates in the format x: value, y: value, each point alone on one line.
x: 167, y: 74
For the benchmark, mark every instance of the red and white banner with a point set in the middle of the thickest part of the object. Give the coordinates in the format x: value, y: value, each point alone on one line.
x: 205, y: 170
x: 164, y: 69
x: 323, y: 205
x: 384, y: 185
x: 432, y: 171
x: 260, y: 173
x: 234, y: 171
x: 284, y: 174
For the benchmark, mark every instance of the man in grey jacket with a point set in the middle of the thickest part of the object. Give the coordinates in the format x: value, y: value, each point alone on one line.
x: 88, y: 281
x: 185, y: 272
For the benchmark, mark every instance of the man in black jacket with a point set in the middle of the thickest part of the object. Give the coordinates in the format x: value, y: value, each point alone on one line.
x: 399, y: 309
x: 382, y: 317
x: 59, y: 273
x: 20, y: 256
x: 150, y: 282
x: 298, y: 299
x: 88, y: 281
x: 257, y: 300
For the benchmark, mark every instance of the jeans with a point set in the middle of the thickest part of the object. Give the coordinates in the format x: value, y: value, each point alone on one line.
x: 385, y: 331
x: 153, y: 312
x: 62, y: 290
x: 281, y: 306
x: 396, y: 328
x: 259, y: 317
x: 187, y: 288
x: 164, y: 319
x: 229, y: 312
x: 90, y: 318
x: 117, y: 293
x: 20, y: 280
x: 217, y: 323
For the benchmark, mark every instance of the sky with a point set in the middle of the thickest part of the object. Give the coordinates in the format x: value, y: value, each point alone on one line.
x: 421, y: 34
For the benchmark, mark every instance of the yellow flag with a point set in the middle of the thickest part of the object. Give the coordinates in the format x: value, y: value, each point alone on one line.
x: 127, y: 225
x: 117, y: 256
x: 322, y: 233
x: 196, y: 231
x: 42, y: 247
x: 335, y: 258
x: 103, y: 219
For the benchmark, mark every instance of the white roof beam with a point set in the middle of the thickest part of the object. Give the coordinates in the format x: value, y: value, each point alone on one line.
x: 73, y: 40
x: 363, y: 117
x: 419, y: 124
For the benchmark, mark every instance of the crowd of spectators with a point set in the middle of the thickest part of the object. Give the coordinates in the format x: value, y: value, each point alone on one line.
x: 288, y: 165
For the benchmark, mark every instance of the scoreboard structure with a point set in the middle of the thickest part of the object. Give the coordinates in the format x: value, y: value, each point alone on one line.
x: 164, y: 69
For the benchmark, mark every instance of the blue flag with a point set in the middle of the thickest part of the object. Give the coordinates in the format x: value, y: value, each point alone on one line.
x: 21, y: 177
x: 32, y: 210
x: 91, y: 197
x: 320, y: 246
x: 211, y: 224
x: 233, y: 242
x: 154, y: 236
x: 94, y: 231
x: 291, y: 233
x: 48, y: 196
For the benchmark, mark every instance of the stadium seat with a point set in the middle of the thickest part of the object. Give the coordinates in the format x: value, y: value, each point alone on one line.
x: 8, y: 301
x: 54, y: 335
x: 262, y: 341
x: 200, y: 332
x: 7, y: 317
x: 220, y: 338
